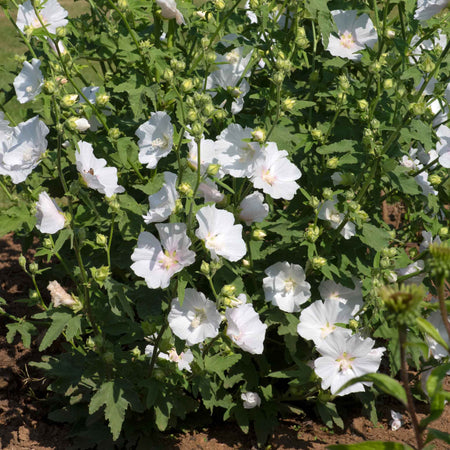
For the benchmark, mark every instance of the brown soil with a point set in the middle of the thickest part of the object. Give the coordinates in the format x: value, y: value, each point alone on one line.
x: 23, y: 415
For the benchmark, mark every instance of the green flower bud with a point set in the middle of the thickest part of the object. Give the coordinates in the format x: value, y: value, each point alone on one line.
x: 344, y: 83
x: 418, y: 108
x: 353, y: 206
x: 364, y: 217
x: 210, y: 57
x: 187, y: 85
x: 392, y: 252
x: 100, y: 274
x: 403, y: 301
x: 259, y: 135
x: 353, y: 324
x: 167, y: 75
x: 219, y: 4
x: 385, y: 263
x: 363, y: 105
x: 283, y: 65
x: 69, y: 100
x: 23, y: 262
x: 435, y: 179
x: 318, y: 262
x: 258, y: 235
x: 90, y: 343
x: 316, y: 134
x: 228, y: 290
x: 333, y: 162
x: 388, y: 83
x: 314, y: 202
x: 246, y: 263
x: 215, y: 266
x: 208, y: 110
x: 102, y: 100
x: 33, y: 267
x: 49, y: 87
x: 278, y: 77
x: 136, y: 352
x: 349, y: 195
x: 375, y: 123
x: 197, y: 129
x: 312, y: 233
x: 427, y: 65
x: 205, y: 41
x: 101, y: 239
x: 114, y: 133
x: 375, y: 67
x: 205, y: 268
x: 392, y: 234
x: 327, y: 194
x: 213, y: 169
x: 390, y: 33
x: 443, y: 232
x: 122, y: 5
x: 60, y: 32
x: 288, y: 104
x: 438, y: 262
x: 192, y: 115
x: 186, y: 190
x: 33, y: 294
x: 47, y: 243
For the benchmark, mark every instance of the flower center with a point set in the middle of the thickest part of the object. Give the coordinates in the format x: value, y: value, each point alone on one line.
x: 347, y: 40
x: 289, y: 284
x: 335, y: 217
x: 199, y: 317
x: 161, y: 143
x: 27, y: 154
x: 326, y: 330
x: 168, y: 260
x: 29, y: 89
x: 268, y: 177
x: 211, y: 241
x: 232, y: 57
x: 174, y: 356
x: 37, y: 24
x: 345, y: 362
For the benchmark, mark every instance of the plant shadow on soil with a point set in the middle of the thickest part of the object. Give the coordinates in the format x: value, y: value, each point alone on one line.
x: 23, y: 406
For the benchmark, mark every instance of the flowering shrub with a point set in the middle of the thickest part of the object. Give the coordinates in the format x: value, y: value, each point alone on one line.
x: 207, y: 184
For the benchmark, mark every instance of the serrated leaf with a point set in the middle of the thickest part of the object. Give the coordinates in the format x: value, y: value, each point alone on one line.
x: 111, y: 394
x: 25, y: 329
x: 59, y: 322
x: 218, y: 364
x: 344, y: 146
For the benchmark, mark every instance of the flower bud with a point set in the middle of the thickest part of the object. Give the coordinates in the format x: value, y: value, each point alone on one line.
x: 344, y: 83
x: 187, y: 85
x: 33, y: 268
x: 246, y: 263
x: 259, y: 135
x: 113, y: 204
x: 23, y: 262
x: 427, y: 65
x: 438, y: 262
x: 77, y: 123
x: 353, y: 324
x: 363, y: 216
x: 69, y: 100
x: 101, y: 240
x: 136, y: 352
x: 186, y: 189
x: 363, y: 105
x: 205, y: 41
x: 443, y: 232
x: 388, y: 83
x: 327, y: 194
x: 102, y: 100
x: 375, y: 123
x: 375, y: 67
x: 49, y: 87
x: 314, y: 202
x: 210, y: 57
x: 229, y: 290
x: 288, y: 104
x: 385, y: 263
x: 191, y: 115
x: 278, y: 77
x: 353, y: 206
x: 318, y: 262
x: 219, y: 4
x: 435, y: 179
x: 114, y: 133
x: 418, y: 108
x: 108, y: 357
x: 47, y: 243
x: 390, y: 276
x: 316, y: 134
x: 259, y: 235
x: 349, y: 195
x: 283, y: 65
x: 392, y: 252
x: 215, y: 266
x: 205, y: 268
x: 60, y: 32
x: 197, y: 129
x: 390, y: 33
x: 208, y: 110
x: 90, y: 343
x: 333, y: 162
x: 100, y: 274
x: 167, y: 75
x: 312, y: 233
x: 213, y: 169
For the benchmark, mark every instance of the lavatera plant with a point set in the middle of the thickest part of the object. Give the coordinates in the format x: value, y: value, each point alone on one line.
x: 208, y: 188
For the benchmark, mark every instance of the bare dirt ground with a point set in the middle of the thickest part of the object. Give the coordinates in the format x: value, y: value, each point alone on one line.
x: 23, y: 415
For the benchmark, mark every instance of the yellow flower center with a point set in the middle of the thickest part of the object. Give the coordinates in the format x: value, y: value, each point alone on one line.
x: 347, y: 40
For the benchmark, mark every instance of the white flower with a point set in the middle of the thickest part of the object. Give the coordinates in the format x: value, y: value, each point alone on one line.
x: 428, y: 240
x: 163, y: 202
x: 52, y: 15
x: 82, y: 124
x: 169, y: 10
x: 90, y: 92
x: 29, y: 82
x: 416, y: 51
x: 443, y: 146
x: 157, y: 266
x: 336, y: 178
x: 50, y: 218
x: 219, y: 233
x: 253, y: 209
x: 59, y: 296
x: 319, y: 320
x: 285, y: 286
x: 208, y: 190
x: 183, y: 359
x: 426, y: 9
x: 250, y: 400
x: 344, y: 357
x: 329, y: 212
x: 238, y: 154
x: 94, y: 171
x: 245, y: 328
x: 275, y: 174
x: 155, y: 139
x: 21, y: 148
x: 329, y: 290
x: 396, y: 421
x: 422, y: 181
x: 436, y: 350
x: 354, y: 34
x: 210, y: 152
x: 414, y: 267
x: 57, y: 48
x: 195, y: 320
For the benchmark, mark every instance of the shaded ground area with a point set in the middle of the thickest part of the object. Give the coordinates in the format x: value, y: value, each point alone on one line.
x: 23, y: 411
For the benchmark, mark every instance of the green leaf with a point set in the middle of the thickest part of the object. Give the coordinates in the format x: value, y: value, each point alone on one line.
x: 371, y: 445
x: 343, y: 146
x: 25, y: 329
x: 437, y: 434
x: 111, y: 394
x: 117, y: 299
x: 219, y: 363
x: 383, y: 382
x: 162, y: 414
x: 402, y: 181
x: 374, y: 237
x: 329, y: 415
x: 429, y: 329
x: 59, y: 322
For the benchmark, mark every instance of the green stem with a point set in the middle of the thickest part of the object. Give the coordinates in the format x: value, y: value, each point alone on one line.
x: 108, y: 248
x: 277, y: 113
x: 10, y: 197
x: 442, y: 306
x: 155, y: 349
x: 405, y: 380
x: 33, y: 278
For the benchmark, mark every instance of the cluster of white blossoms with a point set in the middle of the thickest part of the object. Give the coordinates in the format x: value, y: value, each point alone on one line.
x: 51, y: 14
x: 183, y: 360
